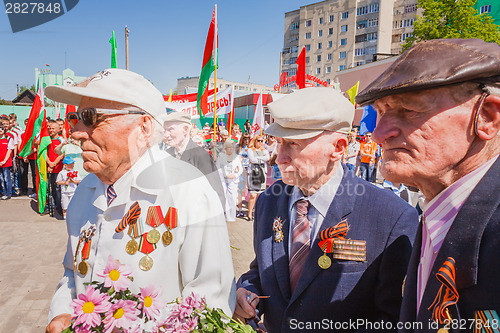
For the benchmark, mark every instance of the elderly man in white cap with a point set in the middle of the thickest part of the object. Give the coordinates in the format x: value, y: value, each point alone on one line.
x: 330, y: 248
x: 177, y: 128
x: 117, y: 124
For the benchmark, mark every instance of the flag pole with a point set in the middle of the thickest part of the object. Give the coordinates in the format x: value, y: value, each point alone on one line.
x: 216, y: 44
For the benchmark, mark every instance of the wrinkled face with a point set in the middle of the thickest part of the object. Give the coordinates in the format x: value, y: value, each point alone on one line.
x: 304, y: 161
x: 53, y: 129
x: 224, y: 137
x: 229, y: 150
x: 111, y: 143
x: 175, y: 133
x: 423, y: 134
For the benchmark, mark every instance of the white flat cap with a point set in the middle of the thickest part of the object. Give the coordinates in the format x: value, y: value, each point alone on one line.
x: 177, y: 116
x: 117, y: 85
x: 309, y: 112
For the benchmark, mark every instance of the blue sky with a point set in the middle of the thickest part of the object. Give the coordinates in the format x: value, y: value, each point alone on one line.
x: 166, y: 40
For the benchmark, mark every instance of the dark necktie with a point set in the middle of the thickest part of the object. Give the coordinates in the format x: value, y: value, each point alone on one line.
x: 301, y: 242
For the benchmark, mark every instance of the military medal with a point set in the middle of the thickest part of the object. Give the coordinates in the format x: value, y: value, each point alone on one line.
x: 86, y: 238
x: 278, y: 229
x: 146, y: 262
x: 328, y: 237
x: 324, y: 261
x: 131, y: 246
x: 171, y: 223
x: 154, y: 219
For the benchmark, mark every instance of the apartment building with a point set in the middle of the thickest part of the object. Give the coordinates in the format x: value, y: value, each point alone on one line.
x: 342, y: 34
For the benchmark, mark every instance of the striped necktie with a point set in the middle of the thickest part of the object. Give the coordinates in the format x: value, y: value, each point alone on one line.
x: 110, y: 194
x: 301, y: 242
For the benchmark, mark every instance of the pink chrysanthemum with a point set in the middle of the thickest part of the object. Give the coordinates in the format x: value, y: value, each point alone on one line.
x: 121, y: 315
x: 195, y: 301
x: 150, y: 301
x: 88, y: 308
x: 116, y: 275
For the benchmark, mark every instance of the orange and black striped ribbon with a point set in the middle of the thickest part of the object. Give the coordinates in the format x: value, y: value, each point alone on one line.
x: 145, y: 246
x: 171, y: 218
x: 155, y: 216
x: 328, y: 236
x: 131, y: 217
x: 447, y: 294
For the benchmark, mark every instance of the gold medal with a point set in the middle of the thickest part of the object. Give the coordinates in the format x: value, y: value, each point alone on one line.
x: 146, y: 263
x: 324, y: 261
x: 83, y: 268
x: 132, y: 246
x: 442, y: 330
x: 153, y: 236
x: 167, y: 238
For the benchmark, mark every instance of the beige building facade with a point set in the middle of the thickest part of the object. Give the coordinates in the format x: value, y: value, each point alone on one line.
x: 343, y: 34
x: 189, y: 84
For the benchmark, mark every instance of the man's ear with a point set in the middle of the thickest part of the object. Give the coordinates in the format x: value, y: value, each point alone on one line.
x: 340, y: 145
x: 489, y: 118
x: 147, y: 127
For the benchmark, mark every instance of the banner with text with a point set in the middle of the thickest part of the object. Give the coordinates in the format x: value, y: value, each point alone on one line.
x: 225, y: 102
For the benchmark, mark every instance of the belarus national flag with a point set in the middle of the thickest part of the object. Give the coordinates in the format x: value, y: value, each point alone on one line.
x: 41, y: 177
x: 208, y: 66
x: 34, y: 124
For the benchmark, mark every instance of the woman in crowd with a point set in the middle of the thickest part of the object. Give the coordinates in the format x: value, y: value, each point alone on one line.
x: 258, y: 156
x: 242, y: 150
x: 230, y: 169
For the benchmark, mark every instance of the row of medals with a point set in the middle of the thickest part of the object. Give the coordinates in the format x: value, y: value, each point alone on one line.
x: 153, y: 237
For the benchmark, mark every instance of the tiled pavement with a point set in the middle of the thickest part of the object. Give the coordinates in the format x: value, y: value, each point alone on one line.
x: 31, y: 252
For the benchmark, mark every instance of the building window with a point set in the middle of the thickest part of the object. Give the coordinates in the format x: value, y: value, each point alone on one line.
x: 345, y: 15
x: 320, y: 33
x: 330, y: 31
x: 371, y: 50
x: 359, y: 52
x: 361, y: 24
x: 485, y: 9
x: 308, y: 35
x: 406, y: 35
x: 343, y: 41
x: 319, y: 57
x: 362, y: 10
x: 329, y: 69
x: 308, y: 23
x: 318, y: 70
x: 330, y: 43
x: 308, y: 47
x: 319, y: 46
x: 294, y: 26
x: 295, y: 49
x: 373, y: 22
x: 373, y: 8
x: 370, y: 36
x: 343, y: 54
x: 329, y: 56
x: 411, y: 8
x: 331, y: 18
x: 341, y: 67
x: 343, y: 28
x: 307, y: 60
x: 320, y: 20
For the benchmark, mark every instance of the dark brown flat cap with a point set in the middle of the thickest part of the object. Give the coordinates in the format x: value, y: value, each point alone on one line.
x: 436, y: 63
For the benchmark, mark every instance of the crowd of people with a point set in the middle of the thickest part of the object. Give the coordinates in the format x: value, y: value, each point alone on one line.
x: 335, y: 248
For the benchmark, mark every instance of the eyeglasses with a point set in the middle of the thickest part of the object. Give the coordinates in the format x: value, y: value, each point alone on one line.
x: 89, y: 115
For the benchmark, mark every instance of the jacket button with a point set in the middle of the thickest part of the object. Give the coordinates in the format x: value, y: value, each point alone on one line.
x: 107, y: 218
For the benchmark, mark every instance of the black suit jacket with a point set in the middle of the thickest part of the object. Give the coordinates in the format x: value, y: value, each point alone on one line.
x: 197, y: 156
x: 474, y: 242
x: 348, y: 290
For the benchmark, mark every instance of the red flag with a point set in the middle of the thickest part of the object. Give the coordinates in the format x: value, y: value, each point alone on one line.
x: 230, y: 120
x: 67, y: 127
x: 32, y: 127
x: 301, y: 69
x: 208, y: 65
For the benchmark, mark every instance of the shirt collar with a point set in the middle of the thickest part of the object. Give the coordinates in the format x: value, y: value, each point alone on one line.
x: 322, y: 199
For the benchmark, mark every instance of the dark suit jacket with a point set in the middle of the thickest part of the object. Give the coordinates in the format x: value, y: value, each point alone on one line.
x: 197, y: 156
x: 347, y: 290
x: 474, y: 242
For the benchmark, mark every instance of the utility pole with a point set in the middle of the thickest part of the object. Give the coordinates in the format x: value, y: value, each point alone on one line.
x: 126, y: 47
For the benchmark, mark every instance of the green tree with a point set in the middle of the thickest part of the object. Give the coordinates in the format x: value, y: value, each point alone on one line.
x: 23, y: 88
x: 452, y: 19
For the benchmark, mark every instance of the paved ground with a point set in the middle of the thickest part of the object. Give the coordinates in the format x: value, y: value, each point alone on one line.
x: 32, y: 248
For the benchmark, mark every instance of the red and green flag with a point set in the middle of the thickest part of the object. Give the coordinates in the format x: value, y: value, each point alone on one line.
x: 210, y: 60
x: 113, y: 51
x: 33, y: 126
x: 41, y: 177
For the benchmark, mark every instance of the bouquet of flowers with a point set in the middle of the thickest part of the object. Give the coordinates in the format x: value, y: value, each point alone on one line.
x: 110, y: 306
x: 72, y: 174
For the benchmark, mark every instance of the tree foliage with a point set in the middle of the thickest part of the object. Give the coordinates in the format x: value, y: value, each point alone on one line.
x: 452, y: 19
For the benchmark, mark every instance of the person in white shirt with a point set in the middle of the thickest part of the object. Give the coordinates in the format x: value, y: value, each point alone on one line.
x: 230, y: 169
x: 68, y: 179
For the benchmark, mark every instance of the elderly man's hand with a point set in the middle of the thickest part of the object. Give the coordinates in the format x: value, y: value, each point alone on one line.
x: 246, y: 302
x: 59, y: 323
